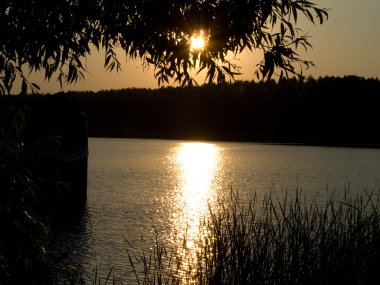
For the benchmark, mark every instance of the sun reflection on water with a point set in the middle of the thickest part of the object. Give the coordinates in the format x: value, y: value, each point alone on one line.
x: 198, y: 165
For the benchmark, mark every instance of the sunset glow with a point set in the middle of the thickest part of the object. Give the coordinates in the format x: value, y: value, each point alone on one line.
x: 198, y: 41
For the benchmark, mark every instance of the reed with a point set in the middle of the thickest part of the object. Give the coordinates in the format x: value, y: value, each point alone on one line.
x: 274, y: 241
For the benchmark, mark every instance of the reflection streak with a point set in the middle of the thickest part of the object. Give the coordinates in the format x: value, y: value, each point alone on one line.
x: 198, y: 165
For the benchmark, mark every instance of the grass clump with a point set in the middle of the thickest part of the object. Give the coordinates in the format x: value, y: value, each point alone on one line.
x: 272, y: 241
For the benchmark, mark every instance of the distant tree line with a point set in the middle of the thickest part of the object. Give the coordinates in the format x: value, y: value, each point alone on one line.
x: 328, y: 110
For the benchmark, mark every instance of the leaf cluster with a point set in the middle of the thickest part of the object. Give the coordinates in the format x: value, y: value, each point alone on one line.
x: 55, y: 37
x: 24, y: 231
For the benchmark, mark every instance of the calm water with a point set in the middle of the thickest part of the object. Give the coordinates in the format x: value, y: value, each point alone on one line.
x: 136, y: 186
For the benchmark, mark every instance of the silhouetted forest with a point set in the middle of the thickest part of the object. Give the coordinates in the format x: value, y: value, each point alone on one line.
x: 328, y: 110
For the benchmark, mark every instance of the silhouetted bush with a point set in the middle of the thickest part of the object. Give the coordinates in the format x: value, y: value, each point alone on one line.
x: 24, y: 230
x: 33, y: 187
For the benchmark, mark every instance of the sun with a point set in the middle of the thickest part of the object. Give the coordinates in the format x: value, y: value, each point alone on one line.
x: 197, y: 41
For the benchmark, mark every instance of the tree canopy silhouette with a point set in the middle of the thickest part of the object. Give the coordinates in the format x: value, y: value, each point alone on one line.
x: 56, y: 36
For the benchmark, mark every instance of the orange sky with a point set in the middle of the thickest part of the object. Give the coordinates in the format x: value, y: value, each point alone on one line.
x: 348, y: 43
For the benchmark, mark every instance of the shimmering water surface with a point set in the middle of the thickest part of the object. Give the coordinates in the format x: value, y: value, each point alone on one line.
x: 136, y: 187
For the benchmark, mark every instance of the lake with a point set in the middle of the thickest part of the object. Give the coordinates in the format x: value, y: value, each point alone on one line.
x: 139, y: 187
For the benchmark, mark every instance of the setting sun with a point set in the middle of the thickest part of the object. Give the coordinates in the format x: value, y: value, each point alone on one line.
x: 197, y: 41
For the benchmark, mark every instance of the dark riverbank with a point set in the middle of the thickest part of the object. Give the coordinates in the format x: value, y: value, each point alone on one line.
x: 325, y: 111
x: 43, y: 179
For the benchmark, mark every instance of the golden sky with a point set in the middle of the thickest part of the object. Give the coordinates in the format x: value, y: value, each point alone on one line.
x: 347, y: 44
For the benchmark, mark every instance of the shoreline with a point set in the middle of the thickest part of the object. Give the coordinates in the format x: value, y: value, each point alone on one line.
x: 314, y: 144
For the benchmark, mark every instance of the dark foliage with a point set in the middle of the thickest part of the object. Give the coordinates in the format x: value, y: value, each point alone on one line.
x: 33, y: 186
x: 23, y: 234
x: 56, y: 36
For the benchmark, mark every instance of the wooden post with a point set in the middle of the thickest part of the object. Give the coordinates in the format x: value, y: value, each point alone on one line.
x: 65, y: 165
